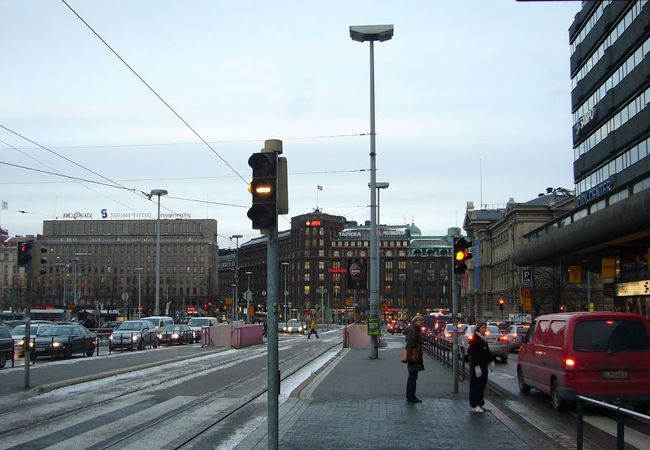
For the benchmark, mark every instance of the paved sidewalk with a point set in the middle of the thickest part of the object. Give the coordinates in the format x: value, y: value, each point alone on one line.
x: 358, y: 403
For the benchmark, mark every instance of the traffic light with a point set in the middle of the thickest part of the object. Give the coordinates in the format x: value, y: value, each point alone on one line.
x: 502, y: 303
x: 39, y: 260
x: 264, y: 186
x: 25, y: 253
x: 461, y: 254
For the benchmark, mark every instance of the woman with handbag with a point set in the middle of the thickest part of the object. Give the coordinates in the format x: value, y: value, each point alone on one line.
x: 414, y: 357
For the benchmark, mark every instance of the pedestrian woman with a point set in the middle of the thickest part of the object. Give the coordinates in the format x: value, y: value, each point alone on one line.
x: 479, y: 359
x: 414, y: 354
x: 312, y: 329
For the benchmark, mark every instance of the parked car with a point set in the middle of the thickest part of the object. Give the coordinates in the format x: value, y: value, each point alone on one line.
x: 6, y: 346
x: 516, y: 334
x: 399, y: 327
x: 175, y: 334
x: 498, y: 342
x: 133, y: 334
x: 293, y: 326
x: 196, y: 323
x: 602, y: 355
x: 64, y: 341
x: 18, y: 335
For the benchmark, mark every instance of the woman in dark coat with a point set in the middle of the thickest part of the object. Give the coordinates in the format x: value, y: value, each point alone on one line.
x: 414, y: 352
x: 479, y: 359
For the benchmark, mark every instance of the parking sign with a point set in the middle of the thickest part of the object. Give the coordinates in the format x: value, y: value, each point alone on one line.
x: 527, y: 276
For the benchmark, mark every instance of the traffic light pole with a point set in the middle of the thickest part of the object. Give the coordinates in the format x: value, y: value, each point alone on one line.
x: 28, y: 314
x: 455, y: 288
x: 273, y: 371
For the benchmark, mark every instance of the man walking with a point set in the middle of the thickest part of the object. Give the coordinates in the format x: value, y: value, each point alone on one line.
x: 312, y: 329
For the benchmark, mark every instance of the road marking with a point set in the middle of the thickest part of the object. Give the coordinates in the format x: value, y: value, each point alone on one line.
x: 632, y: 437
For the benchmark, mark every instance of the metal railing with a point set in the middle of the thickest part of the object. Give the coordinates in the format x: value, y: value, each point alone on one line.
x: 441, y: 350
x: 621, y: 413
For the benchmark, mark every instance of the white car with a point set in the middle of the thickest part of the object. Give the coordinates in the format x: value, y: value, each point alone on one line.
x: 196, y: 323
x: 293, y: 326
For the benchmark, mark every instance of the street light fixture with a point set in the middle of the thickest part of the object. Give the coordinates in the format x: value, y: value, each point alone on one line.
x: 372, y: 33
x: 139, y: 270
x: 159, y: 193
x: 248, y: 295
x: 286, y: 269
x: 236, y: 237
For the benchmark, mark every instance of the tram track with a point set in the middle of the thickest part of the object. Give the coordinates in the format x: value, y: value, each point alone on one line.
x: 289, y: 365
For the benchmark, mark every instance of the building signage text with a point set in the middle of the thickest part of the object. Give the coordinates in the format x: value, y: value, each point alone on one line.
x: 593, y: 193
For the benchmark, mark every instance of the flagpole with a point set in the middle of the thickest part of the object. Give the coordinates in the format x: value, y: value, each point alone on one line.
x: 317, y: 197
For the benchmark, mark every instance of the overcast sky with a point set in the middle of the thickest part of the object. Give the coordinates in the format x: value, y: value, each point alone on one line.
x: 472, y: 104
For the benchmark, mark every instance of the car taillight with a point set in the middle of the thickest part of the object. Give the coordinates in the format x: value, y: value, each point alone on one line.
x: 447, y: 334
x: 503, y: 338
x: 569, y: 363
x: 471, y: 338
x: 423, y: 329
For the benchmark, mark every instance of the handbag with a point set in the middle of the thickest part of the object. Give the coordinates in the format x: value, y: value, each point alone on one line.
x: 404, y: 356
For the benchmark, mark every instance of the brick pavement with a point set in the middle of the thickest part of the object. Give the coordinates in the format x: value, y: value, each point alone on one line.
x: 360, y: 404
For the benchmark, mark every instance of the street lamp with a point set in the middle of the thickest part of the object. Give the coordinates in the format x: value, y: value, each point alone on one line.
x: 286, y: 268
x: 159, y: 193
x: 372, y: 33
x: 379, y: 185
x: 139, y: 270
x: 236, y: 237
x: 248, y: 295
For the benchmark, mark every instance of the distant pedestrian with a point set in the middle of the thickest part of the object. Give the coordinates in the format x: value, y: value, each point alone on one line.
x: 479, y: 359
x: 312, y: 328
x: 414, y: 355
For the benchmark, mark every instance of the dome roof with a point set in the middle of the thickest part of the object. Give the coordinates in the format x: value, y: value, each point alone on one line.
x: 413, y: 230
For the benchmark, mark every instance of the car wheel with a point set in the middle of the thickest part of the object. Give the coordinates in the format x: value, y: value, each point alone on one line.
x: 155, y: 343
x: 523, y: 387
x: 3, y: 360
x: 504, y: 359
x: 141, y: 344
x: 90, y: 352
x: 558, y: 403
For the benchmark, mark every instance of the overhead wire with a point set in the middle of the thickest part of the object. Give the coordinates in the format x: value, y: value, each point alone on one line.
x: 154, y: 92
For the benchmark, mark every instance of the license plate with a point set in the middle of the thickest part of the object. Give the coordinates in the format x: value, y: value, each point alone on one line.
x: 615, y: 374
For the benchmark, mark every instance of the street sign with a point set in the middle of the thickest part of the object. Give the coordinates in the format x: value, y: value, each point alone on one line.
x: 527, y: 276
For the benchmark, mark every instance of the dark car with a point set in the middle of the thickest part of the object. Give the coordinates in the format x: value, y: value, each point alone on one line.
x: 132, y: 334
x: 176, y: 334
x: 64, y: 341
x: 399, y: 327
x: 6, y: 346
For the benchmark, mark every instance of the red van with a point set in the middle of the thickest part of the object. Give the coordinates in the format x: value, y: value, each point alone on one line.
x: 602, y: 355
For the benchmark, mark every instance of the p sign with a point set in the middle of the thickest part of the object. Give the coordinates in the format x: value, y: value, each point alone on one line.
x: 527, y: 276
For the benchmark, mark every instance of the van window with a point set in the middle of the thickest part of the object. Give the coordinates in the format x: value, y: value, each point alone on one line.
x: 556, y: 335
x: 610, y: 336
x: 531, y: 331
x: 540, y: 331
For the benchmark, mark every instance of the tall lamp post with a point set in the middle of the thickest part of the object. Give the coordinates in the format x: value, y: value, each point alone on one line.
x: 372, y: 33
x: 159, y: 193
x: 248, y: 295
x: 139, y: 270
x: 236, y: 237
x: 286, y: 268
x: 379, y: 185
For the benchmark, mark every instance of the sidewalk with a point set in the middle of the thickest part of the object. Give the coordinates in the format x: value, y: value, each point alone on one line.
x: 358, y: 403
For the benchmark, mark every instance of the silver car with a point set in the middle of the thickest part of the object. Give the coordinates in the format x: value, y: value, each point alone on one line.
x: 293, y: 326
x: 133, y: 334
x: 498, y: 342
x: 18, y: 335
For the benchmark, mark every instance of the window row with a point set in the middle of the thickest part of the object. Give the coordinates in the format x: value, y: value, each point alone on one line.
x: 620, y: 118
x: 612, y: 37
x: 589, y: 24
x: 634, y: 60
x: 637, y: 153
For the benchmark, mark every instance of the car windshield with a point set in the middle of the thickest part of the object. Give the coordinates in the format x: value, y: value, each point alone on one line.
x: 59, y: 331
x: 611, y: 336
x: 522, y: 330
x: 174, y: 328
x: 493, y: 330
x: 199, y: 322
x: 293, y: 322
x: 130, y: 326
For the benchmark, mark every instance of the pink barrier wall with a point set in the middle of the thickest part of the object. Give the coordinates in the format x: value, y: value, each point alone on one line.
x: 242, y: 335
x: 356, y: 336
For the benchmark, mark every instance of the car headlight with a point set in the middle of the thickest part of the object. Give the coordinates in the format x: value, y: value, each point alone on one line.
x: 299, y: 328
x: 174, y: 335
x: 20, y: 342
x: 159, y: 336
x: 56, y: 344
x: 31, y: 344
x: 135, y: 338
x: 285, y: 328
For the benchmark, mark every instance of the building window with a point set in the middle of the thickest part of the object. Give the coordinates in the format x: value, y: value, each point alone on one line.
x: 321, y: 265
x: 388, y: 264
x: 321, y: 277
x: 307, y: 277
x: 307, y: 265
